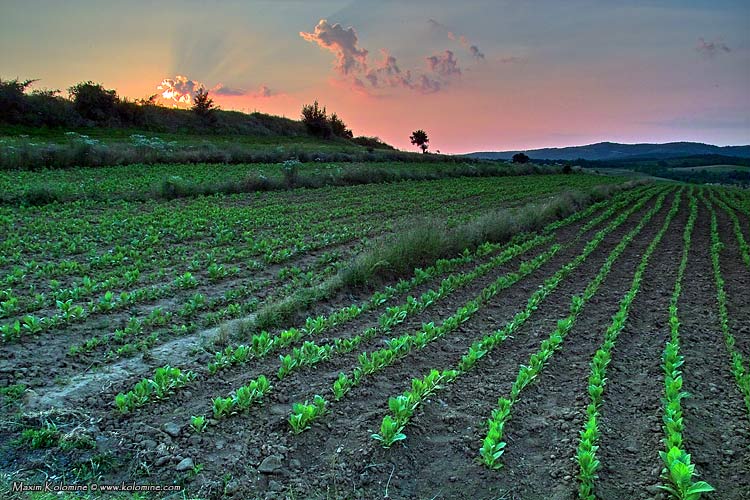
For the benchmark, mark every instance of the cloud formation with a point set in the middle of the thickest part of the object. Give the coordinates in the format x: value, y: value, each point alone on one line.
x: 472, y: 48
x: 220, y: 89
x: 181, y: 90
x: 444, y: 64
x: 261, y: 92
x: 352, y: 63
x: 342, y: 42
x: 711, y: 48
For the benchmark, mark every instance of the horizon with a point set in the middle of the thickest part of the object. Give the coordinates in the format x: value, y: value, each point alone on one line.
x: 512, y: 79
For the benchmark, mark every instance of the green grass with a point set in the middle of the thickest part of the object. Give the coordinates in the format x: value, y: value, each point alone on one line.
x: 17, y: 134
x: 177, y: 180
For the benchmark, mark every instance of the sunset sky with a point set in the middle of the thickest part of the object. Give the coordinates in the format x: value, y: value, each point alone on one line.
x: 476, y: 75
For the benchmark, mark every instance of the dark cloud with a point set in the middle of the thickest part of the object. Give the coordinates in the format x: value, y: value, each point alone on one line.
x: 711, y: 48
x: 444, y: 64
x: 474, y: 50
x: 428, y: 85
x: 264, y: 91
x: 228, y: 91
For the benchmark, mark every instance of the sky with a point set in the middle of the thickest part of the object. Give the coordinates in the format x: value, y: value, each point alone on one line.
x: 475, y: 75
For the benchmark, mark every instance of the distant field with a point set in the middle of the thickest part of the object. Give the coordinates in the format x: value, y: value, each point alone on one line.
x: 713, y: 168
x: 621, y: 172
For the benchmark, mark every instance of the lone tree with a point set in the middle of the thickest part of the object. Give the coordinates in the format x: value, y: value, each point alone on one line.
x: 203, y: 105
x: 419, y: 139
x: 520, y: 158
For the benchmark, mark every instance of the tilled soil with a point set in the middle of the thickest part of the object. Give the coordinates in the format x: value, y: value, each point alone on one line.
x: 255, y: 455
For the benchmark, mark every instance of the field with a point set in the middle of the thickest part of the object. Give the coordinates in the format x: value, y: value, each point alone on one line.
x: 223, y: 344
x: 714, y: 168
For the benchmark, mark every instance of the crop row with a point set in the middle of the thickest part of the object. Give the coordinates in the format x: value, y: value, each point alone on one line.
x: 743, y: 246
x: 403, y: 406
x: 678, y: 472
x: 493, y: 445
x: 263, y: 343
x: 739, y: 366
x: 104, y: 234
x: 588, y: 464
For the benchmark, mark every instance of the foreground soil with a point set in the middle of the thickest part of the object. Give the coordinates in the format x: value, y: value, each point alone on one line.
x: 255, y: 455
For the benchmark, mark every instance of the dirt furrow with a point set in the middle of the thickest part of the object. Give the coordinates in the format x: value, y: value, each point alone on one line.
x: 736, y: 283
x: 439, y: 454
x: 630, y: 422
x: 716, y: 427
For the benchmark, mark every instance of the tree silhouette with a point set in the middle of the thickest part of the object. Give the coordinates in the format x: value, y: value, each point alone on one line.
x: 419, y: 139
x: 316, y: 121
x: 93, y: 101
x: 520, y: 158
x: 203, y: 105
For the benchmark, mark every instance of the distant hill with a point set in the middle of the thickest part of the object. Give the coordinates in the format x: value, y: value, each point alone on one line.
x: 615, y: 151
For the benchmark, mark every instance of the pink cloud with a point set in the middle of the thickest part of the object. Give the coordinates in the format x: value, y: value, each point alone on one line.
x: 363, y: 76
x: 342, y: 42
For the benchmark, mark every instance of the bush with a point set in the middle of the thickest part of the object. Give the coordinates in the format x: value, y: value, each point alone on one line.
x: 39, y: 195
x: 93, y: 102
x: 13, y: 100
x: 520, y: 158
x: 371, y: 143
x: 338, y: 127
x: 290, y: 171
x: 316, y: 121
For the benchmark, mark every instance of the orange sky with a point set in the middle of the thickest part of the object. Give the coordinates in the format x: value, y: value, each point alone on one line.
x: 480, y: 75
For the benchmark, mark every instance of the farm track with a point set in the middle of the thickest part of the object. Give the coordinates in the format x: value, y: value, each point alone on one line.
x: 290, y: 388
x: 716, y: 430
x: 450, y: 413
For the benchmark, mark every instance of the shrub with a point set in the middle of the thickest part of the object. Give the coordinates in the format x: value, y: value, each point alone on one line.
x: 39, y: 195
x: 13, y: 100
x: 290, y: 171
x: 315, y: 120
x: 93, y: 102
x: 520, y: 158
x: 338, y: 127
